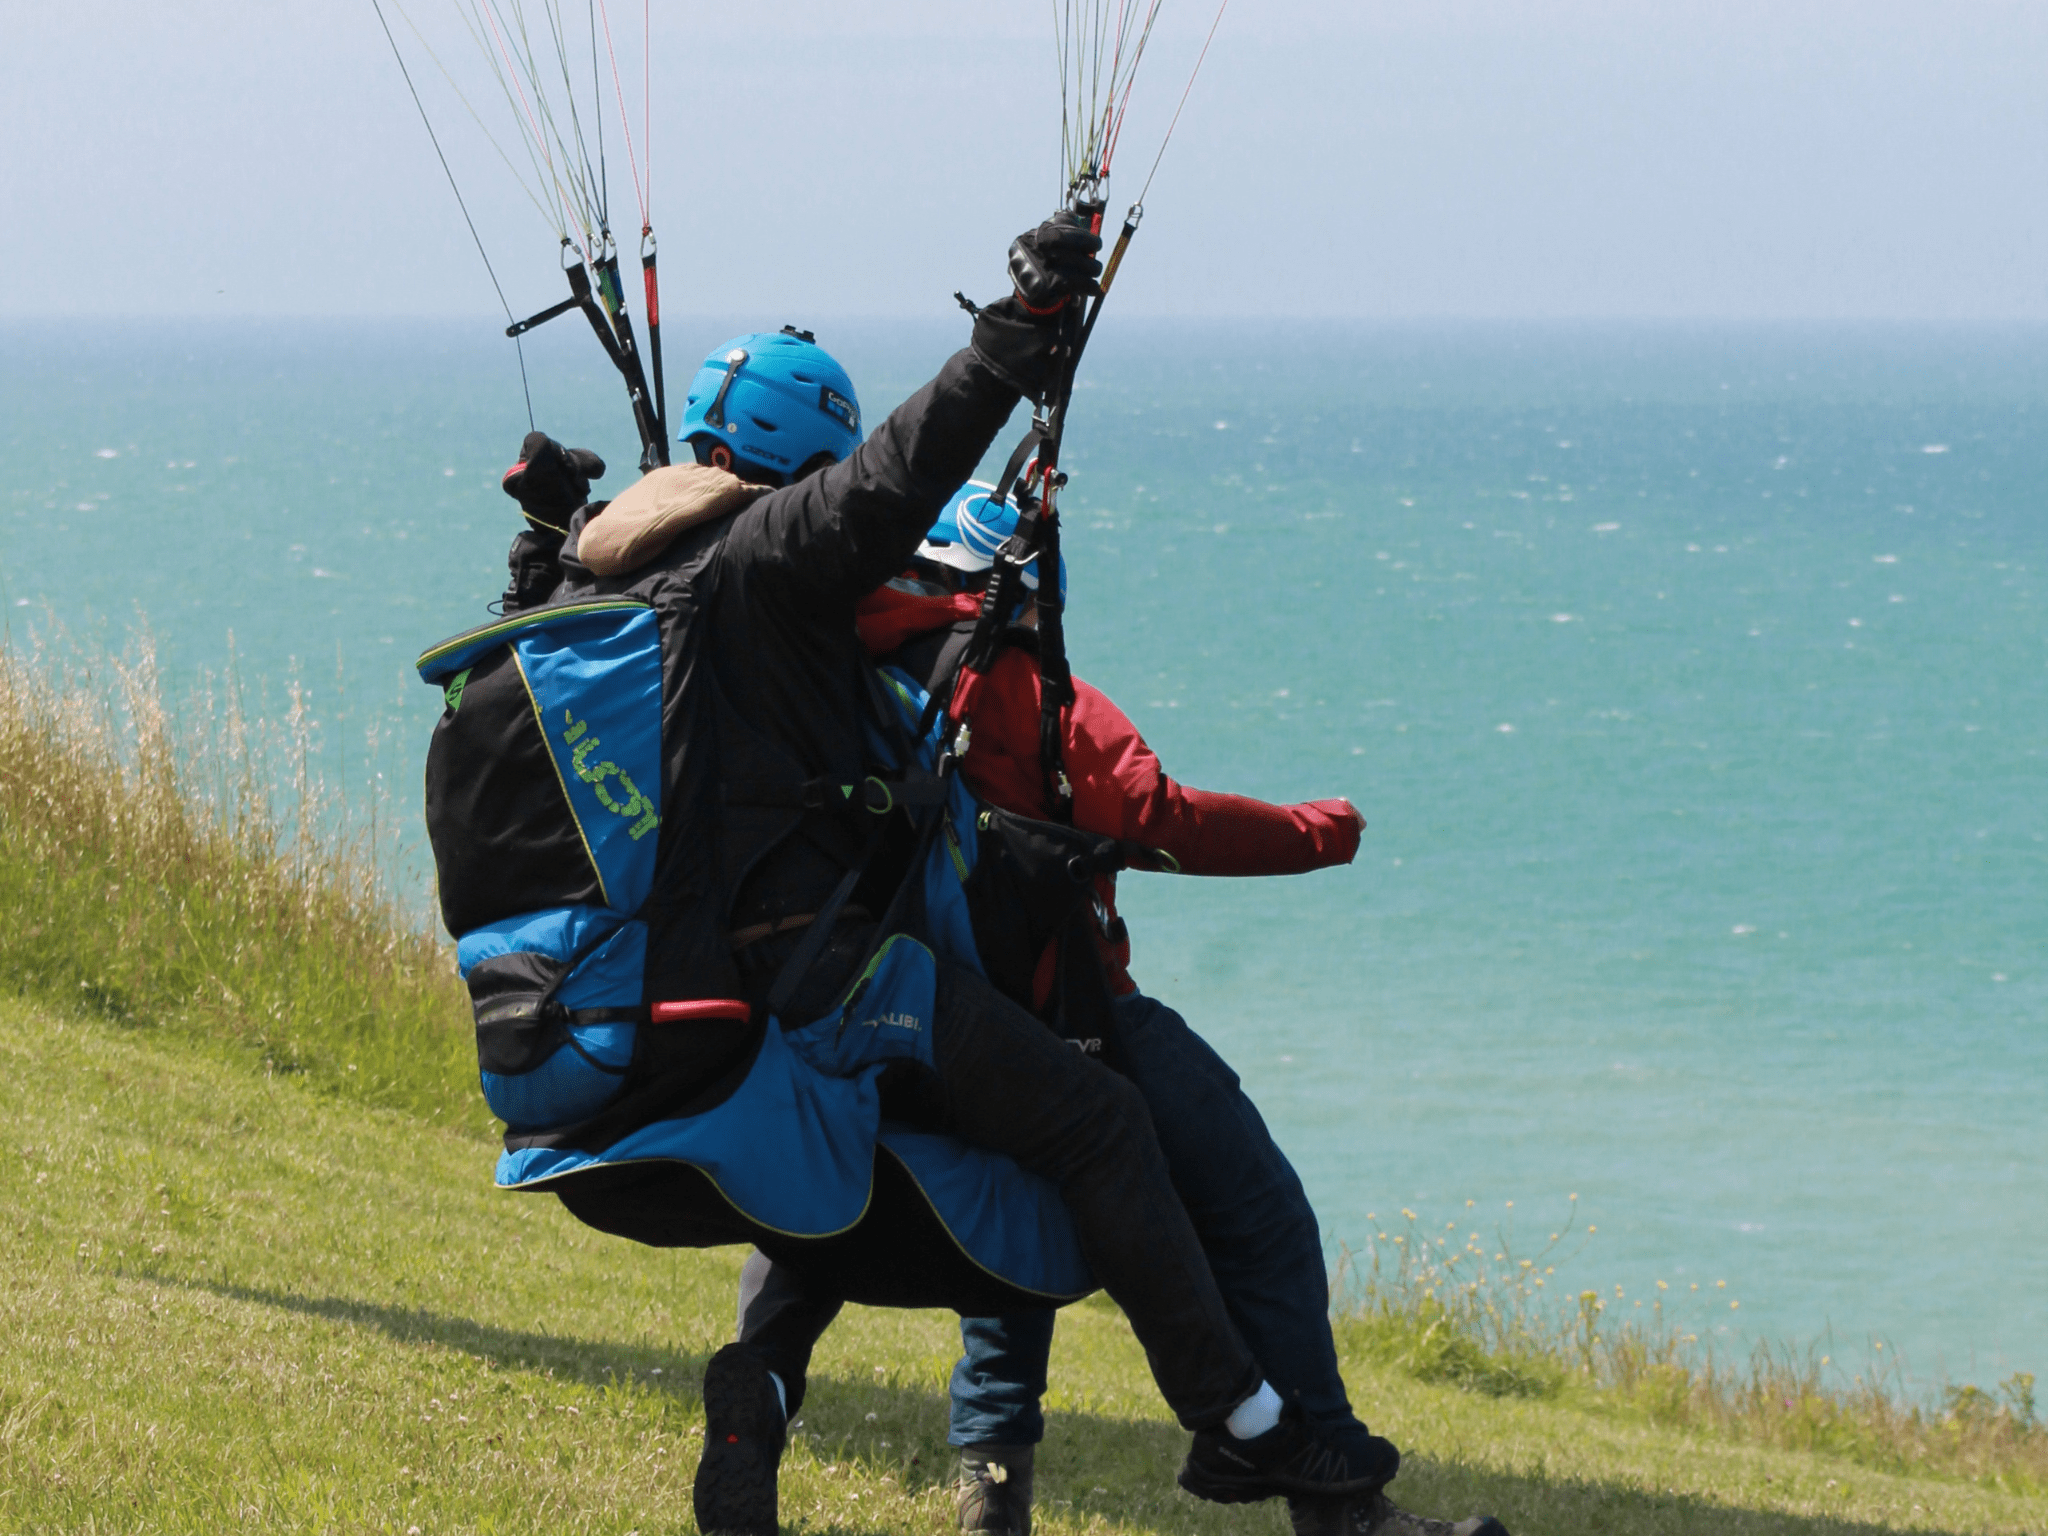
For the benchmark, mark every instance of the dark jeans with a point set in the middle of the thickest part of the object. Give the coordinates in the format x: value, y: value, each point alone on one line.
x: 1249, y: 1209
x: 1006, y: 1083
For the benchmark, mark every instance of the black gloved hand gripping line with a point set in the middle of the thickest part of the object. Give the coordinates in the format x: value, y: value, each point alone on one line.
x: 1037, y: 538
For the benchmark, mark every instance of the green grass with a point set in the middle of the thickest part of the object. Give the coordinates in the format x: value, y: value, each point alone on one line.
x: 255, y: 1275
x: 1477, y: 1315
x: 145, y: 878
x: 234, y: 1302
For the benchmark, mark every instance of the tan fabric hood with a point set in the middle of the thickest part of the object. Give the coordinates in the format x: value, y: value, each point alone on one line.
x: 646, y: 517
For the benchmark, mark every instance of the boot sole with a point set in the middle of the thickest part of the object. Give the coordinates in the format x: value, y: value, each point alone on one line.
x: 735, y: 1492
x: 1250, y: 1489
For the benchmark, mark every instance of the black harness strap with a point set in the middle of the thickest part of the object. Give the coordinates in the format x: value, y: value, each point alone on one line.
x: 945, y: 672
x: 653, y: 435
x: 652, y: 283
x: 618, y: 345
x: 1055, y: 678
x: 805, y: 955
x: 915, y: 789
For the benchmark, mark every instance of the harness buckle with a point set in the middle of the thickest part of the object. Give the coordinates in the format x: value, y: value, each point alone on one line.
x: 1016, y: 553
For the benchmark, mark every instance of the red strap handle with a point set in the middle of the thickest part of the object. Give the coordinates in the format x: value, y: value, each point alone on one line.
x: 704, y: 1008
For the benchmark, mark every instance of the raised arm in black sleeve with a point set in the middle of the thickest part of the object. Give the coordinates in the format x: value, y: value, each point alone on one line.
x: 835, y: 536
x: 825, y: 542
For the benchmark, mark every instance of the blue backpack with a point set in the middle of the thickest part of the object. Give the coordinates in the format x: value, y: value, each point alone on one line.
x: 579, y: 799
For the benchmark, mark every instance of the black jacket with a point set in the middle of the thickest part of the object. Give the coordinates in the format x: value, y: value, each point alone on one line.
x: 761, y: 606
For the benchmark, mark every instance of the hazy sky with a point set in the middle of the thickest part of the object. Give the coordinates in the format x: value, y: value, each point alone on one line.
x: 1339, y: 157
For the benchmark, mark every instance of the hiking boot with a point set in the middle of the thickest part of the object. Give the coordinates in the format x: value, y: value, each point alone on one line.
x: 995, y: 1489
x: 1297, y: 1456
x: 743, y: 1439
x: 1374, y: 1514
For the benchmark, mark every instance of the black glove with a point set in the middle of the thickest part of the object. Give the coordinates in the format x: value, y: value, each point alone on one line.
x: 549, y: 482
x: 1018, y: 347
x: 1056, y: 262
x: 536, y: 566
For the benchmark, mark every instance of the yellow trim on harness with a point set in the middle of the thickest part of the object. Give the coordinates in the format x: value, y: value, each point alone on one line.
x: 866, y: 1204
x: 953, y: 1237
x: 520, y: 621
x: 541, y: 721
x: 867, y: 1200
x: 911, y: 706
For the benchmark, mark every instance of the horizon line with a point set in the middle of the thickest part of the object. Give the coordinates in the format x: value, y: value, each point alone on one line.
x: 442, y: 320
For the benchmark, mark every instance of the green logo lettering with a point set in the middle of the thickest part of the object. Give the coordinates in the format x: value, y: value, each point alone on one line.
x: 451, y: 695
x: 575, y: 736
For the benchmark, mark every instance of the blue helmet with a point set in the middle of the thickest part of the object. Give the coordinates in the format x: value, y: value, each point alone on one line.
x: 774, y: 401
x: 971, y: 530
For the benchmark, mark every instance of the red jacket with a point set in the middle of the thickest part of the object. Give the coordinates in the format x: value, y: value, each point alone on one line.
x: 1120, y: 790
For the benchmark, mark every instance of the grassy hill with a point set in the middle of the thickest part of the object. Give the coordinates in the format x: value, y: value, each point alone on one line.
x: 253, y: 1275
x: 233, y: 1301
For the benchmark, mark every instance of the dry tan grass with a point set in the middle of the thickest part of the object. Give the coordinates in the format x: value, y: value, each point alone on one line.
x: 148, y: 876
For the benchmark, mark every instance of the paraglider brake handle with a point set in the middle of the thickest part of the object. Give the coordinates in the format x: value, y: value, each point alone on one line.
x: 521, y: 327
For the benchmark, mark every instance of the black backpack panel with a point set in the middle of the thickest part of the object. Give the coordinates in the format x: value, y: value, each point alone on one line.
x: 505, y: 840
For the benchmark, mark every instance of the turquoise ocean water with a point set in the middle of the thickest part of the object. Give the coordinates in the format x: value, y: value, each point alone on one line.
x: 1694, y: 683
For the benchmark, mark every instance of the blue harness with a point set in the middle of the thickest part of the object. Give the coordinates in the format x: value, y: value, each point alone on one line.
x: 792, y: 1147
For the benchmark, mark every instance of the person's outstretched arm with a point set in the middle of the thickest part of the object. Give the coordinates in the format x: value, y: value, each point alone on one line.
x: 1121, y: 790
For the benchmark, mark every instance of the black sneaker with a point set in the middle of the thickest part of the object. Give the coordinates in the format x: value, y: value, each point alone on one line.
x: 995, y: 1489
x: 743, y: 1439
x: 1374, y: 1514
x: 1296, y: 1457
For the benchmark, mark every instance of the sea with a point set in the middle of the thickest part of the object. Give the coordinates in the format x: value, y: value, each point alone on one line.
x: 1693, y: 681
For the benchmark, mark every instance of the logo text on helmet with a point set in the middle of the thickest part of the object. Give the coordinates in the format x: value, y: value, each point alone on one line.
x: 838, y: 407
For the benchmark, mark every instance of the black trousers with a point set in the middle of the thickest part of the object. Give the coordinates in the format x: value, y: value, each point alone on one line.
x: 1006, y: 1083
x: 1009, y: 1084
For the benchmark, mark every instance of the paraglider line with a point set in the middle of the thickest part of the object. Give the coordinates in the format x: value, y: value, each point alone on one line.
x: 1183, y: 101
x: 626, y: 122
x: 434, y: 139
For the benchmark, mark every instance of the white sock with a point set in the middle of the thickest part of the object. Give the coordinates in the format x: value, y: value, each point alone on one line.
x: 782, y: 1397
x: 1256, y: 1414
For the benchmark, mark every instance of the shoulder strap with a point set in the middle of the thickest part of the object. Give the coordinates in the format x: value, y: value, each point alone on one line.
x: 945, y: 672
x: 1037, y: 538
x: 812, y: 945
